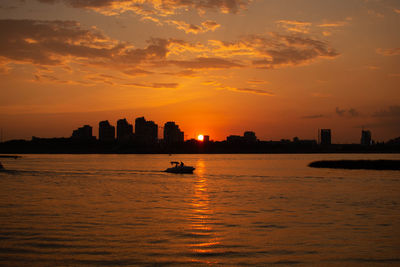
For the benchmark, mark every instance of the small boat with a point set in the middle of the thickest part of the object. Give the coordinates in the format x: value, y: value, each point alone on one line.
x: 180, y: 168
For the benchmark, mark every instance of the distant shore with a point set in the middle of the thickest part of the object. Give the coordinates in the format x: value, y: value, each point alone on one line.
x: 93, y: 146
x: 357, y: 164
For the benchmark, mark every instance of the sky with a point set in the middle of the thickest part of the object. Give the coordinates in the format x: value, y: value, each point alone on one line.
x: 280, y: 68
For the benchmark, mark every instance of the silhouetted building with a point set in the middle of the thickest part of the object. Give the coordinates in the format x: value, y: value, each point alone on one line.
x: 172, y: 133
x: 146, y: 132
x: 106, y: 132
x: 366, y: 138
x: 83, y: 133
x: 234, y: 138
x: 250, y: 137
x: 206, y: 139
x: 124, y: 131
x: 325, y: 136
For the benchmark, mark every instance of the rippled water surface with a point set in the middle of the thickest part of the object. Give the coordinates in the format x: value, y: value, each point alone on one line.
x: 235, y: 210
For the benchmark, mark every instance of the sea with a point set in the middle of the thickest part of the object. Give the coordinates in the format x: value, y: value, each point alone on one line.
x: 234, y: 210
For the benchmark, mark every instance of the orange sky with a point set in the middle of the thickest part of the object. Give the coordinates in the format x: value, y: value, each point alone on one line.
x: 280, y: 68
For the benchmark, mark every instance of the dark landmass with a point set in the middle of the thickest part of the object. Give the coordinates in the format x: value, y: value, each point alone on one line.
x: 94, y: 146
x: 357, y: 164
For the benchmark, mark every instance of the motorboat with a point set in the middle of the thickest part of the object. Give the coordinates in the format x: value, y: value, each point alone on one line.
x: 180, y: 168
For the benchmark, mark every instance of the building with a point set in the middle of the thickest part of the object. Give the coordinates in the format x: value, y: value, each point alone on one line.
x: 124, y: 131
x: 206, y: 139
x: 234, y: 138
x: 146, y: 132
x: 172, y: 133
x: 325, y: 136
x: 83, y: 133
x: 106, y: 132
x: 366, y: 137
x: 250, y: 137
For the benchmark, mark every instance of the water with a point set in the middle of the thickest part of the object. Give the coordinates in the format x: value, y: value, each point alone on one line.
x: 235, y: 210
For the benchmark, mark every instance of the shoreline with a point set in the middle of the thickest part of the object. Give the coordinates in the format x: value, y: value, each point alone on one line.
x: 357, y: 164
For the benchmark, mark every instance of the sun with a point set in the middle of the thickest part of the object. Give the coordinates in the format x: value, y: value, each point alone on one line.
x: 200, y: 137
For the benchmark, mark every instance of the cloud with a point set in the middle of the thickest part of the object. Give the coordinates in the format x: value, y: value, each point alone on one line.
x: 392, y: 111
x: 318, y: 116
x: 154, y: 85
x: 335, y: 24
x: 206, y: 63
x: 154, y: 7
x: 251, y: 90
x: 295, y: 26
x: 375, y: 14
x: 257, y: 82
x: 52, y: 42
x: 69, y: 46
x: 195, y: 29
x: 55, y: 43
x: 346, y: 113
x: 220, y: 86
x: 388, y: 51
x: 4, y: 7
x: 274, y: 50
x: 136, y: 72
x: 46, y: 78
x: 290, y: 50
x: 184, y: 73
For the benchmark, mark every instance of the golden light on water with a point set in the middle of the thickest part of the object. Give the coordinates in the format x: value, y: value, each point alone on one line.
x: 202, y: 215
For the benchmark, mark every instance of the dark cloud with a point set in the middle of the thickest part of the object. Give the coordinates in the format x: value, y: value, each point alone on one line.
x: 136, y: 72
x: 318, y: 116
x: 195, y: 29
x: 290, y: 50
x: 276, y: 50
x: 206, y: 63
x: 392, y: 111
x: 257, y: 91
x: 154, y: 85
x: 56, y: 42
x: 346, y: 112
x: 254, y: 91
x: 154, y: 6
x: 48, y: 42
x: 184, y: 73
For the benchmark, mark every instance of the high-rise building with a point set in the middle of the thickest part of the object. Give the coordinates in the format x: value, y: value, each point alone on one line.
x: 250, y: 137
x: 366, y: 137
x: 146, y: 132
x: 206, y: 139
x: 172, y: 133
x: 325, y: 136
x: 106, y: 132
x: 83, y: 133
x: 124, y: 131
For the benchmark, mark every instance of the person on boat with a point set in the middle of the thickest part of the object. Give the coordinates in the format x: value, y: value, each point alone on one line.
x: 181, y: 165
x: 1, y: 166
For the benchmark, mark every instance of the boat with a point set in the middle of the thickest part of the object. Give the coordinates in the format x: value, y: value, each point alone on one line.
x: 180, y: 168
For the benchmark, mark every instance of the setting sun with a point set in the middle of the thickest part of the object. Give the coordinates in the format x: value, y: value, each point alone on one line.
x: 200, y: 137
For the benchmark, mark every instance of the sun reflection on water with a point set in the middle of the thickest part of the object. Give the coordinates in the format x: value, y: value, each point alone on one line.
x: 202, y: 216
